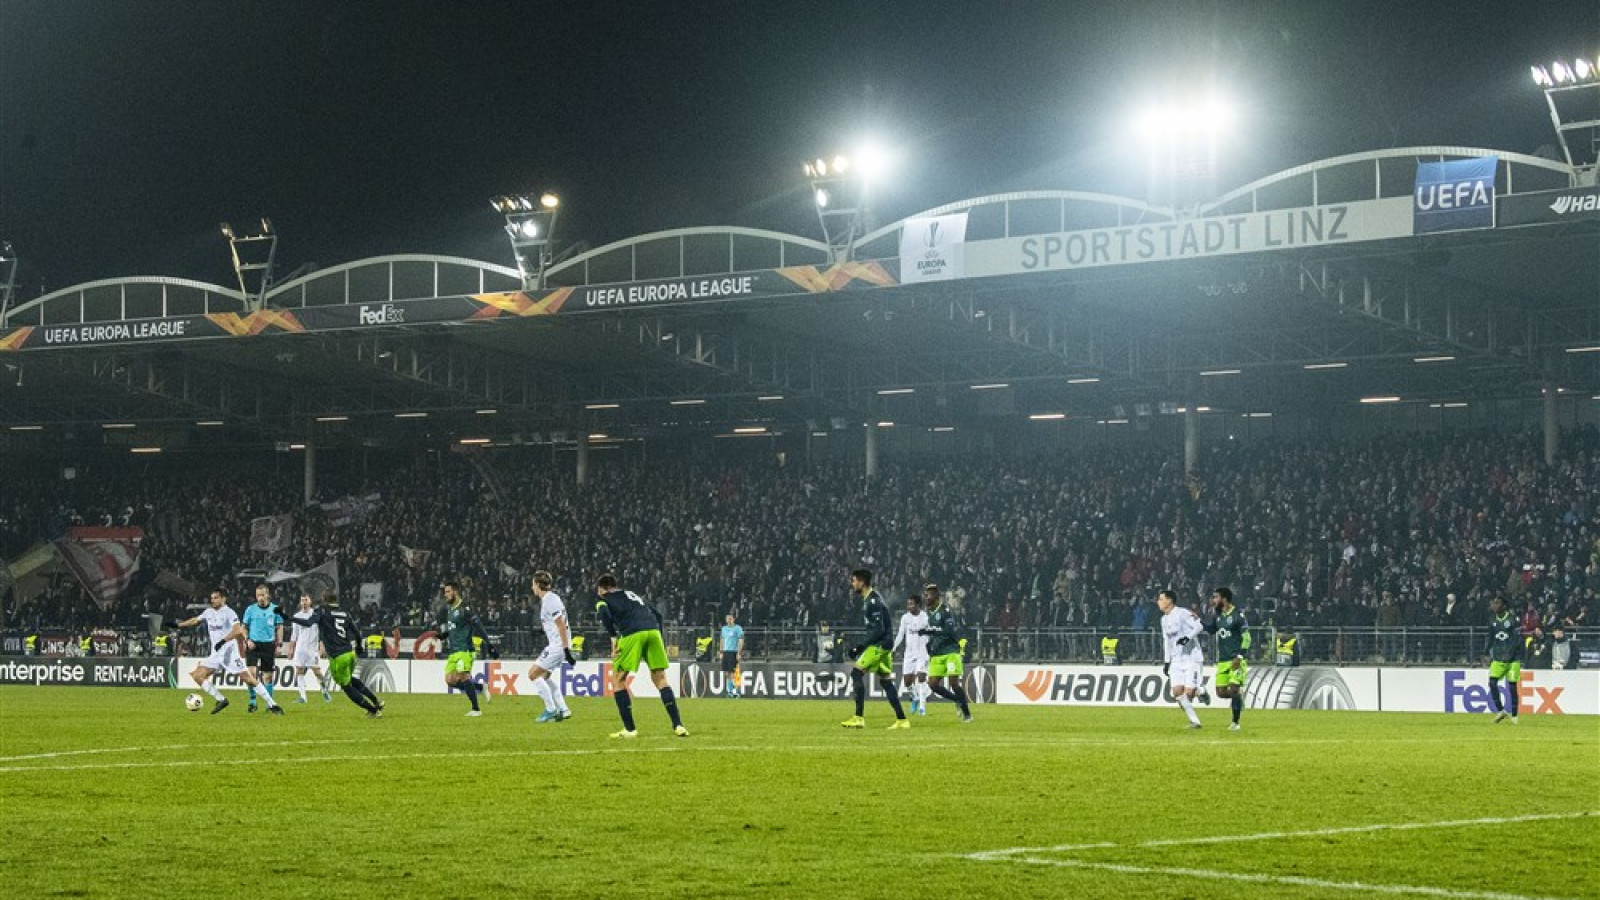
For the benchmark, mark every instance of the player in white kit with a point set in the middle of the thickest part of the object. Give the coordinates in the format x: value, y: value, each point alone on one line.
x: 1180, y: 639
x: 307, y: 643
x: 557, y: 650
x: 223, y: 634
x: 914, y: 671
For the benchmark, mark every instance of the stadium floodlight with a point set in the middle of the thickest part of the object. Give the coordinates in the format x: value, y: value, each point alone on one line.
x: 1562, y: 73
x: 821, y: 198
x: 1541, y: 76
x: 253, y: 257
x: 1583, y: 68
x: 530, y: 226
x: 839, y: 193
x: 1571, y: 91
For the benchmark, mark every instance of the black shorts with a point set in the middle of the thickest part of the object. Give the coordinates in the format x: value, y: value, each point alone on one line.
x: 730, y: 660
x: 263, y: 657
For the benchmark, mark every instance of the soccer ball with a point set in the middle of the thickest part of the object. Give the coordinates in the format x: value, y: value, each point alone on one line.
x: 193, y: 703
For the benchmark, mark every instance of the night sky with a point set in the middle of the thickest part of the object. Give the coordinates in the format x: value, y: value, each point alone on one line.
x: 130, y: 128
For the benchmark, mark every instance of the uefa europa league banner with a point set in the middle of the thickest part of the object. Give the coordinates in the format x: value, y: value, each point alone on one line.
x: 1454, y: 195
x: 933, y: 248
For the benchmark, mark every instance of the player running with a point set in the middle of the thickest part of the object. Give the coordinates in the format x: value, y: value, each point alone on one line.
x: 223, y: 633
x: 635, y: 629
x: 1233, y: 639
x: 944, y: 652
x: 875, y: 654
x: 557, y: 649
x: 263, y: 630
x: 1180, y: 632
x: 459, y: 626
x: 307, y: 642
x: 1504, y: 649
x: 914, y: 672
x: 339, y: 636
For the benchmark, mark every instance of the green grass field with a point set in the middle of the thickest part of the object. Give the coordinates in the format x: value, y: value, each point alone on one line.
x: 118, y: 792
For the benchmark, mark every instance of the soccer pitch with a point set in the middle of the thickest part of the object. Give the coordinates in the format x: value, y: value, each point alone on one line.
x: 119, y: 792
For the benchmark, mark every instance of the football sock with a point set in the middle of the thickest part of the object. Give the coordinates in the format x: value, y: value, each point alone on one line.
x: 471, y: 690
x: 272, y: 689
x: 625, y: 708
x: 555, y: 694
x: 1494, y: 695
x: 921, y: 691
x: 1188, y: 708
x: 671, y: 703
x: 1511, y: 694
x: 858, y: 681
x: 961, y: 698
x: 356, y: 691
x: 894, y: 696
x: 362, y: 689
x: 300, y: 685
x: 1238, y: 707
x: 210, y: 687
x: 267, y: 696
x: 942, y: 691
x: 541, y: 686
x: 251, y: 689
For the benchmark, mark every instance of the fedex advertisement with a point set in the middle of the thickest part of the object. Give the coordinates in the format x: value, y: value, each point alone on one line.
x: 1539, y: 692
x: 509, y: 678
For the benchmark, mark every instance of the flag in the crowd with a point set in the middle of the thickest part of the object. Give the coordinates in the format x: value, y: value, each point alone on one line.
x: 271, y: 533
x: 509, y: 573
x: 415, y: 558
x: 322, y: 580
x: 103, y: 559
x: 371, y: 593
x: 350, y: 509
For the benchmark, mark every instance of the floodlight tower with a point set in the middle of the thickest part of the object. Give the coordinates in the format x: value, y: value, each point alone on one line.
x: 1183, y: 140
x: 253, y: 258
x: 530, y: 224
x: 839, y: 190
x: 8, y: 279
x: 1572, y: 92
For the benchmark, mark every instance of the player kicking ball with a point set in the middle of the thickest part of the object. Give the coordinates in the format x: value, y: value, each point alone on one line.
x: 224, y: 633
x: 339, y: 638
x: 1180, y: 633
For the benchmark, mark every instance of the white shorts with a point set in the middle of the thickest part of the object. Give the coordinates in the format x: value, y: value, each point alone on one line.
x: 552, y: 659
x: 306, y: 659
x: 1185, y: 675
x: 914, y: 665
x: 225, y: 660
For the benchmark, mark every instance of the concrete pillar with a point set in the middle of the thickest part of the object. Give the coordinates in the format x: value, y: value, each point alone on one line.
x: 311, y: 472
x: 583, y: 458
x: 1191, y: 438
x: 1552, y: 427
x: 872, y: 450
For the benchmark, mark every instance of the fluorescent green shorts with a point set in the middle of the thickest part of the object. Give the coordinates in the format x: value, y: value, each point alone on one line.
x: 877, y: 660
x: 1226, y: 674
x: 460, y: 662
x: 948, y: 664
x: 342, y: 667
x: 641, y: 645
x: 1510, y: 671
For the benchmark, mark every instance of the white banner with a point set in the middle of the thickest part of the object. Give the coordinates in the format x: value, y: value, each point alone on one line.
x: 1283, y: 229
x: 271, y: 533
x: 385, y: 676
x: 371, y: 593
x: 1300, y: 687
x: 932, y: 248
x: 1541, y: 691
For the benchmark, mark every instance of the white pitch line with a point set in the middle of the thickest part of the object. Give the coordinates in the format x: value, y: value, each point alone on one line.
x: 992, y: 855
x: 1296, y: 880
x: 60, y: 753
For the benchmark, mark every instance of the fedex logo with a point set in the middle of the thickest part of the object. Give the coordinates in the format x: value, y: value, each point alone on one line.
x: 1461, y: 695
x: 492, y: 678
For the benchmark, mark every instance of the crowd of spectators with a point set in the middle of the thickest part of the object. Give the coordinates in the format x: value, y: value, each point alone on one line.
x: 1407, y: 530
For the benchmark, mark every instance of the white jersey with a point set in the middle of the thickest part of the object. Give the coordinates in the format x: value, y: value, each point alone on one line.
x: 1176, y: 625
x: 218, y: 623
x: 916, y: 643
x: 551, y: 611
x: 305, y: 638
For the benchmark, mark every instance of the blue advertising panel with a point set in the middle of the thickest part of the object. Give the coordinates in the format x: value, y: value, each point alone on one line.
x: 1454, y: 195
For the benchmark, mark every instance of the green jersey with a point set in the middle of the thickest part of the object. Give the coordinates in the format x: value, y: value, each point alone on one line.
x: 1233, y: 633
x: 459, y: 625
x: 944, y: 637
x: 1505, y: 640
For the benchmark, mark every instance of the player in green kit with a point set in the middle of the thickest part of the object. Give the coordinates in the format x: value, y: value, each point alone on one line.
x: 1233, y: 639
x: 459, y: 626
x: 1504, y: 650
x: 944, y: 652
x: 875, y: 655
x: 635, y: 629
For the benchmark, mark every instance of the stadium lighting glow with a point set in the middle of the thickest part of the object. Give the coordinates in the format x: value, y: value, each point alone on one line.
x: 1258, y: 415
x: 1594, y: 349
x: 488, y: 412
x: 27, y: 428
x: 597, y: 437
x: 1196, y: 409
x: 1208, y: 116
x: 549, y: 200
x: 1318, y: 366
x: 209, y: 423
x: 1047, y: 417
x: 474, y: 440
x: 411, y: 415
x: 1562, y: 73
x: 990, y: 387
x: 297, y: 446
x: 146, y: 449
x: 528, y: 228
x: 890, y: 391
x: 1380, y: 399
x: 1211, y: 372
x: 1432, y: 359
x: 755, y: 429
x: 110, y: 425
x: 227, y: 230
x: 822, y: 198
x: 687, y: 402
x: 1083, y: 381
x: 333, y: 418
x: 1541, y: 76
x: 841, y: 165
x: 885, y: 424
x: 768, y: 397
x: 1583, y: 68
x: 943, y: 429
x: 603, y: 406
